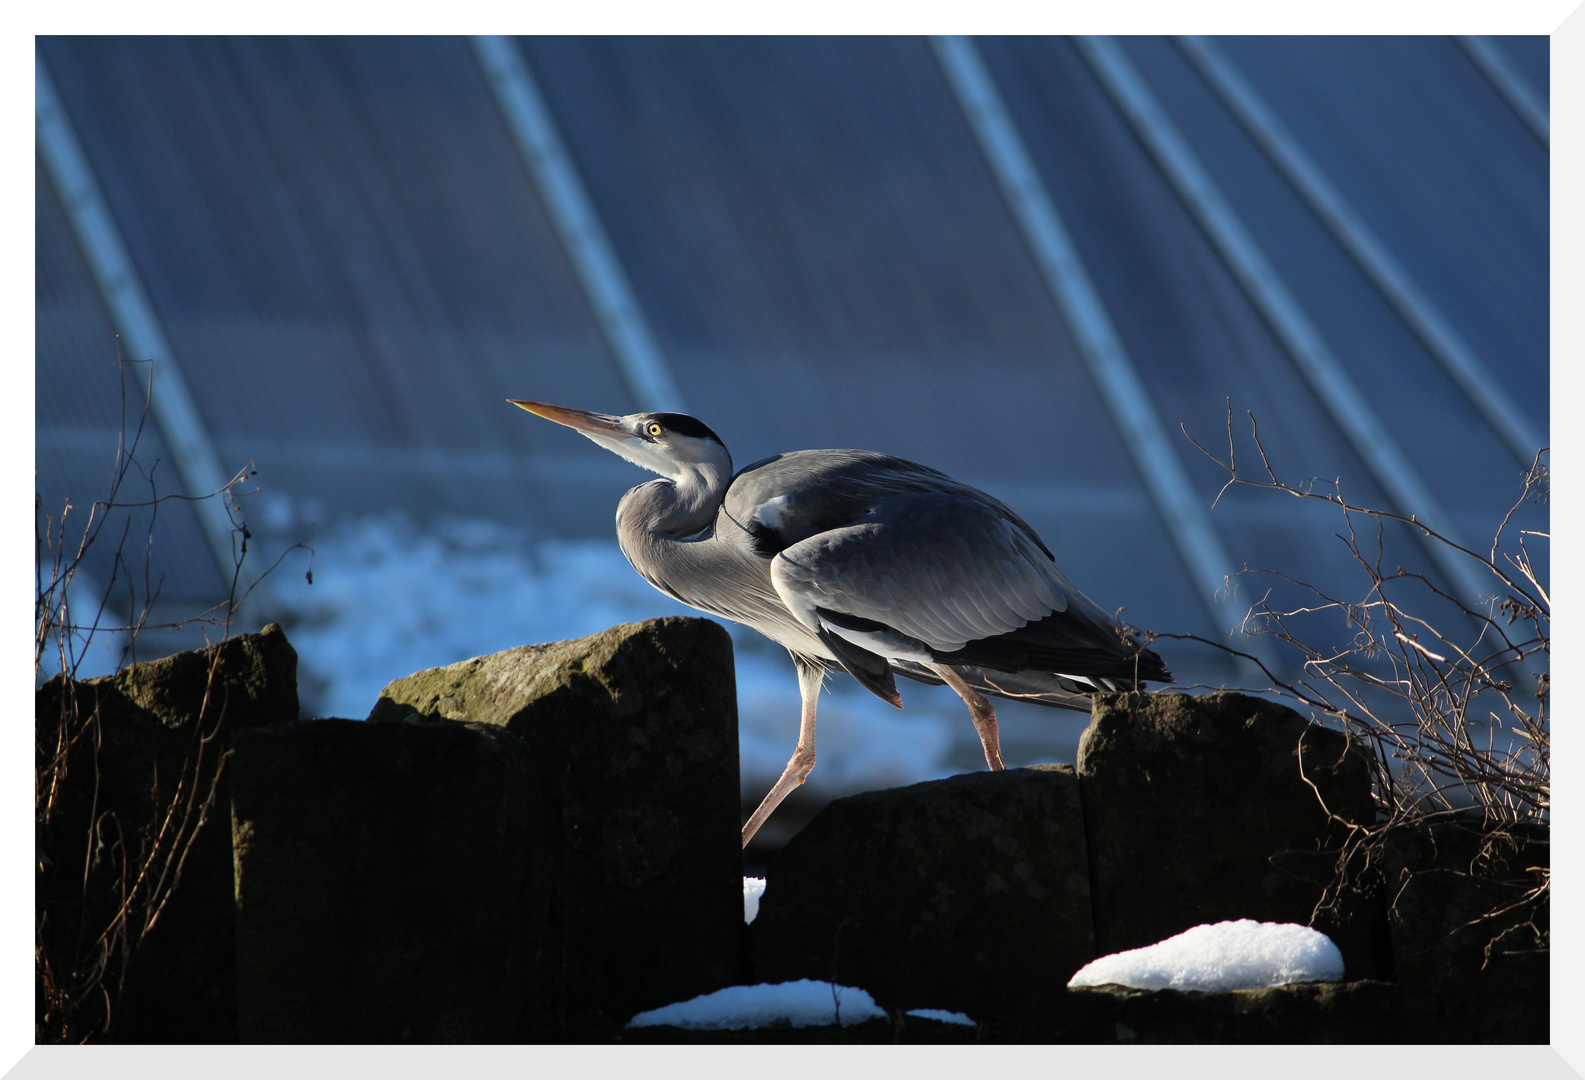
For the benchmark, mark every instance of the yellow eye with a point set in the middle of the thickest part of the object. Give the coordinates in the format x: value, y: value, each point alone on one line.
x: 654, y: 430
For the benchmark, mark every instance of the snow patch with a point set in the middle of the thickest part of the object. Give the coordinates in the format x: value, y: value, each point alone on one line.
x: 942, y: 1016
x: 1238, y: 955
x: 805, y: 1003
x: 753, y: 889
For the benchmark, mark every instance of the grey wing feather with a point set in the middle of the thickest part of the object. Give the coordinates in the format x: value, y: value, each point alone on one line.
x: 792, y: 497
x: 883, y: 555
x: 941, y: 569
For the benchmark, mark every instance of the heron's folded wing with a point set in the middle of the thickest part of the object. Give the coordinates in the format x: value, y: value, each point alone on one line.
x: 937, y: 569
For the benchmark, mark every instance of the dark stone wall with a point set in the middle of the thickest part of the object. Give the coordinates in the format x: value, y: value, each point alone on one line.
x: 537, y: 844
x: 1223, y: 806
x: 391, y: 883
x: 970, y: 893
x: 633, y: 733
x: 1468, y: 931
x: 131, y: 816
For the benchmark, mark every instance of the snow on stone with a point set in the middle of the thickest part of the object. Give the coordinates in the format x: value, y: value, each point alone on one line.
x: 1239, y: 955
x: 805, y: 1003
x: 753, y: 889
x: 389, y: 599
x: 942, y: 1016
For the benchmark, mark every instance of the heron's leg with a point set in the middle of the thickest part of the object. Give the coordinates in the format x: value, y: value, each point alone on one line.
x: 980, y: 711
x: 803, y: 759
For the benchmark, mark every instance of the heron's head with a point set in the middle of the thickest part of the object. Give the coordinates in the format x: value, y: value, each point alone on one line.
x: 673, y: 444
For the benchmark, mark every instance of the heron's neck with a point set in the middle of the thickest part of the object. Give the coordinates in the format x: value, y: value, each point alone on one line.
x: 676, y: 507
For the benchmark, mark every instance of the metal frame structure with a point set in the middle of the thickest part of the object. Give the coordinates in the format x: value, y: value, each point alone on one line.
x: 1508, y: 82
x: 644, y: 369
x: 175, y: 411
x: 1187, y: 521
x: 1461, y: 363
x: 1366, y: 432
x: 642, y: 364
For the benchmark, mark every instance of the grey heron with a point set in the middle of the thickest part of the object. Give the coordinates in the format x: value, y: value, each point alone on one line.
x: 861, y: 562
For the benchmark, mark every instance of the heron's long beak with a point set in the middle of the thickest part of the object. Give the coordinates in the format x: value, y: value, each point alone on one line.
x: 589, y: 423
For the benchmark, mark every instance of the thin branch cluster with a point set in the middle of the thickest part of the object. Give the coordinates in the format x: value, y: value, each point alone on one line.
x: 1451, y: 692
x: 87, y: 932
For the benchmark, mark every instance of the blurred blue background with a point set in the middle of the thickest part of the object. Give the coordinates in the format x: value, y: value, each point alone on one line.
x: 351, y: 259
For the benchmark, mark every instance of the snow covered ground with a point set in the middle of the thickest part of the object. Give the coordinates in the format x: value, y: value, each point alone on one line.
x: 805, y: 1003
x: 388, y: 599
x: 1238, y: 955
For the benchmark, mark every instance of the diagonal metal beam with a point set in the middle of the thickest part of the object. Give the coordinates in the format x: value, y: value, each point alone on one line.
x: 173, y: 406
x: 1187, y: 521
x: 1461, y: 363
x: 1350, y: 409
x: 1514, y: 88
x: 638, y: 355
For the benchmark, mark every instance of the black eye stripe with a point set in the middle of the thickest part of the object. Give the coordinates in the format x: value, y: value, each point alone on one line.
x: 682, y: 424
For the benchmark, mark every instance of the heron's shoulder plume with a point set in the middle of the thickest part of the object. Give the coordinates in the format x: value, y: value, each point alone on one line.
x: 787, y: 498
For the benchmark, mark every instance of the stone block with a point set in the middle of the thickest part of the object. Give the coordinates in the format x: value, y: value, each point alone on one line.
x: 1468, y: 927
x: 633, y: 733
x: 1205, y: 809
x: 1359, y: 1012
x: 133, y: 760
x: 966, y: 894
x: 391, y: 884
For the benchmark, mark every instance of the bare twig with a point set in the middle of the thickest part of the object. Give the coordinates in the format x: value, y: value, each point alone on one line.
x: 1434, y: 696
x: 130, y: 868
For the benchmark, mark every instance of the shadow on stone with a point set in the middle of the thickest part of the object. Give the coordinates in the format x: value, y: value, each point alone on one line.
x: 391, y: 883
x: 1357, y: 1012
x: 1466, y: 928
x: 1204, y: 809
x: 633, y: 734
x: 967, y: 894
x: 143, y: 775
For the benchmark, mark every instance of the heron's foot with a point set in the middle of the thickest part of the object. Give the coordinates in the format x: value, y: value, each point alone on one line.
x: 797, y: 771
x: 980, y: 711
x: 990, y: 738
